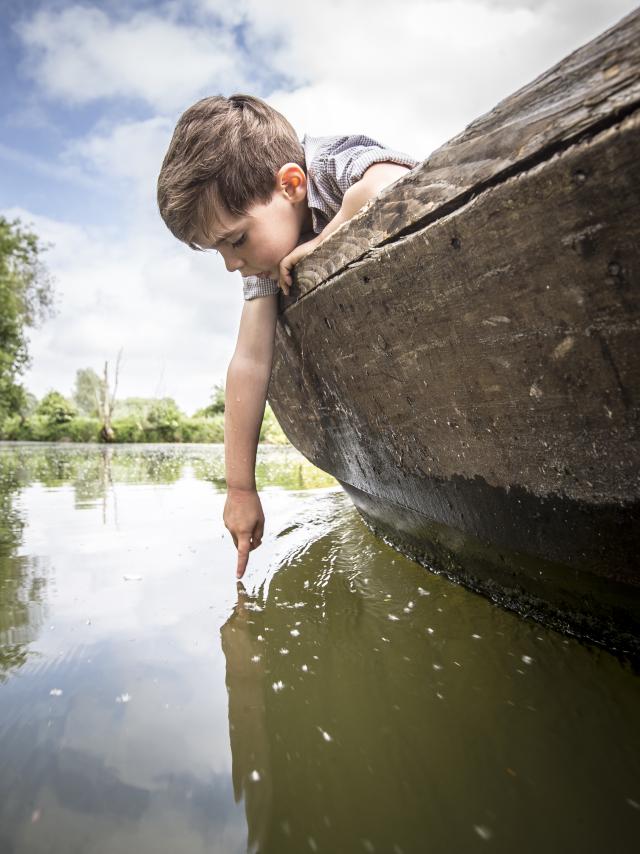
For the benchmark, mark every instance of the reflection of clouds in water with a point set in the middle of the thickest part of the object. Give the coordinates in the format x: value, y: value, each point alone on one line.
x: 144, y: 770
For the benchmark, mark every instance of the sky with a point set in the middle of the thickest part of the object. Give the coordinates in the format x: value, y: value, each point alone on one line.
x: 91, y: 92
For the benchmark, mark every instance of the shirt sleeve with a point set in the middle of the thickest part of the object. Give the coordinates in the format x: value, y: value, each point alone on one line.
x: 345, y: 159
x: 258, y: 286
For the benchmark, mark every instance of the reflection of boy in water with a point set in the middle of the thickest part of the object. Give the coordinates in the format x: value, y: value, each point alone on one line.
x: 246, y: 684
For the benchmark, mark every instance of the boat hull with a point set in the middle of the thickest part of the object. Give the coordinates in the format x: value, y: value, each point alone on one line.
x: 469, y: 370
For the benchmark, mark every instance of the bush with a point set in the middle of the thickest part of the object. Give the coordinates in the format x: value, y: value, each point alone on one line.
x: 129, y: 429
x: 210, y: 430
x: 81, y: 429
x: 271, y: 432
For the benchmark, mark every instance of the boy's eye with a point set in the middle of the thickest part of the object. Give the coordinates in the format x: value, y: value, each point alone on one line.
x: 239, y: 241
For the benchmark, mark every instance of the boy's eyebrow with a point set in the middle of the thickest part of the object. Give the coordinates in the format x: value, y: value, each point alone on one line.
x: 224, y: 235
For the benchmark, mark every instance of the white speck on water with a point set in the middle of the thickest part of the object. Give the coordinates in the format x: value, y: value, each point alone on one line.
x: 477, y: 637
x: 132, y: 577
x: 315, y: 657
x: 437, y: 667
x: 393, y: 617
x: 457, y: 663
x: 324, y: 734
x: 386, y: 640
x: 527, y: 659
x: 304, y: 668
x: 306, y: 585
x: 255, y: 658
x: 294, y: 633
x: 312, y: 843
x: 278, y: 686
x: 123, y: 698
x: 255, y: 776
x: 284, y: 651
x: 483, y: 831
x: 56, y: 692
x: 410, y: 605
x: 430, y: 630
x: 260, y: 638
x: 407, y: 610
x: 439, y: 696
x: 423, y: 592
x: 634, y: 804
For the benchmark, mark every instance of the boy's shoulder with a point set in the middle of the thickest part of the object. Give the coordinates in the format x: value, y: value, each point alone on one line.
x: 319, y: 149
x: 342, y: 160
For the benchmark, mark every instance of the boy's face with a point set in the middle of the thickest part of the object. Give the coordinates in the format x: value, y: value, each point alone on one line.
x: 255, y: 243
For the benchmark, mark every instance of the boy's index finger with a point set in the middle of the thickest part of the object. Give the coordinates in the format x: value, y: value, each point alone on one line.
x: 244, y: 547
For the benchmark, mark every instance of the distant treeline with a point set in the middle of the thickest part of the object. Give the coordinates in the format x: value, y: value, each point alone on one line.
x: 57, y: 418
x: 92, y: 413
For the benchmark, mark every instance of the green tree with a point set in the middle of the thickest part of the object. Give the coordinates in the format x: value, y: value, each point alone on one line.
x: 56, y: 408
x: 163, y: 421
x: 216, y: 407
x: 87, y: 391
x: 26, y: 298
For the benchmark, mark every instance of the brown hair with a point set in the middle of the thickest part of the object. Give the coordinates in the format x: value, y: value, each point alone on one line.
x: 224, y: 153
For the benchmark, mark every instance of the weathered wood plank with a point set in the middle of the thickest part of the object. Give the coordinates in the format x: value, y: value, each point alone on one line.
x: 590, y: 89
x: 489, y: 360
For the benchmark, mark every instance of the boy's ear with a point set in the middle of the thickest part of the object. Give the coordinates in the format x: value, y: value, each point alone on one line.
x: 292, y: 181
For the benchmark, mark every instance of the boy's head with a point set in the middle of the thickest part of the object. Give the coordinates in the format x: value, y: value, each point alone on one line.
x: 234, y: 177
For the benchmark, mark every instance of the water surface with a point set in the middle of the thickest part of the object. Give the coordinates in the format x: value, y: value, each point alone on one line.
x: 343, y: 700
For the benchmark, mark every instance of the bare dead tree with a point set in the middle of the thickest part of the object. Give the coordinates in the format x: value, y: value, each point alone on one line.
x: 106, y: 400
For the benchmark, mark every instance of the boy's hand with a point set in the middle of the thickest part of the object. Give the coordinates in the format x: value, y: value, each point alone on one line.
x: 244, y: 519
x: 289, y: 262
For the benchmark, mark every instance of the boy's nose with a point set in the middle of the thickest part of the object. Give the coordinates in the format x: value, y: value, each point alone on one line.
x: 233, y: 264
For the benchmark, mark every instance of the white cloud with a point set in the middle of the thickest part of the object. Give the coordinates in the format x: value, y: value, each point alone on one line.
x: 416, y: 74
x: 411, y: 75
x: 80, y: 55
x: 132, y: 150
x: 171, y: 310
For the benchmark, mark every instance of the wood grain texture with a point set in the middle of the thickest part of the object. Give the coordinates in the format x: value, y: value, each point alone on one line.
x: 590, y: 89
x: 499, y: 345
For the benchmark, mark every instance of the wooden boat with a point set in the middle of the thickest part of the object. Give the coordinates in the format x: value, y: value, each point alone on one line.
x: 464, y: 355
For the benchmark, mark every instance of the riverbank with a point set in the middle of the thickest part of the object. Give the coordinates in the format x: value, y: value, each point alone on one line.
x: 136, y: 428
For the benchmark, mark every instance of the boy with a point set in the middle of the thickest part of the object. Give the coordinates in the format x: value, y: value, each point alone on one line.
x: 236, y: 179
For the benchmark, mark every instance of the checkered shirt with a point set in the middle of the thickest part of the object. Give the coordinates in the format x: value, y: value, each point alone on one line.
x: 333, y: 163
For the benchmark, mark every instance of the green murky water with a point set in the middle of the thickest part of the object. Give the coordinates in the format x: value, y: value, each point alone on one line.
x: 344, y: 700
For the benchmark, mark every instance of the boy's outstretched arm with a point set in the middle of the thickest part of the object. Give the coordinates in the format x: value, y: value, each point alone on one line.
x: 246, y: 393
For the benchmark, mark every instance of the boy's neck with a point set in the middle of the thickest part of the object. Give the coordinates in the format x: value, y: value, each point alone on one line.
x: 307, y: 222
